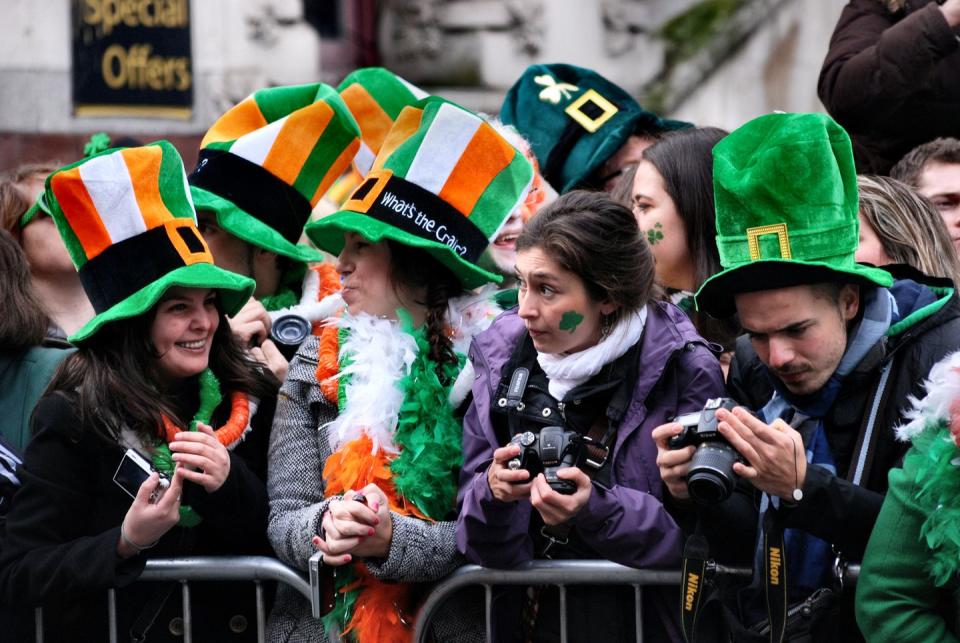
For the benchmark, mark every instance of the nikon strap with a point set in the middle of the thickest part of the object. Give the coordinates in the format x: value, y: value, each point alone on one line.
x: 775, y: 575
x: 695, y: 554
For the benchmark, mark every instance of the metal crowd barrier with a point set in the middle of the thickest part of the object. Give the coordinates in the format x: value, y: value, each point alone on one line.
x: 559, y: 573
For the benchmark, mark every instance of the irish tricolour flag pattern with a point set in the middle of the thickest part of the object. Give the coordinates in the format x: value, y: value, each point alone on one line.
x: 459, y: 157
x: 304, y: 135
x: 375, y: 97
x: 113, y: 197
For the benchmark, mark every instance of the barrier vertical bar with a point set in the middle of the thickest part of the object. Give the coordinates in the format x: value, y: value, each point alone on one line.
x: 563, y: 613
x: 488, y: 609
x: 187, y: 614
x: 38, y: 624
x: 261, y: 614
x: 638, y: 611
x: 112, y: 614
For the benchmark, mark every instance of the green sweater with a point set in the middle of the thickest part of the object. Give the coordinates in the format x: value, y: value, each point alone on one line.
x: 897, y: 599
x: 23, y: 378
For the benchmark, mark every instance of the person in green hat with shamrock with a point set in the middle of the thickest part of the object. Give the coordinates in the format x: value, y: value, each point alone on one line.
x: 585, y: 130
x: 833, y: 352
x: 157, y: 379
x: 262, y: 168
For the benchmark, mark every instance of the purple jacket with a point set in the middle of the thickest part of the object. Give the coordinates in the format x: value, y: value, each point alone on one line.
x: 626, y: 523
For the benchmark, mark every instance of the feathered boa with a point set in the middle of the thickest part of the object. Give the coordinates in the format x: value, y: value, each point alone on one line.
x: 934, y: 429
x: 395, y: 428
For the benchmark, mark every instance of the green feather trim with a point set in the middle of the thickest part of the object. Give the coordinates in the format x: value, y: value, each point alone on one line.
x: 210, y: 399
x: 428, y: 435
x: 283, y: 298
x: 937, y: 480
x: 286, y: 295
x: 336, y: 620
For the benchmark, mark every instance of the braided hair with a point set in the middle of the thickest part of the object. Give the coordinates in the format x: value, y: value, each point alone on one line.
x: 416, y: 269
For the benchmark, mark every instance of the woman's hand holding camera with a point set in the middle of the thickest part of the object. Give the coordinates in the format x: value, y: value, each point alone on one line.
x: 206, y: 461
x: 146, y: 522
x: 556, y: 508
x: 359, y: 524
x: 506, y: 484
x: 674, y: 464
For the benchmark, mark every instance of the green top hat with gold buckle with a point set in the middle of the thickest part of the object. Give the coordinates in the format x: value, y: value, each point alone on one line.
x: 130, y: 228
x: 444, y: 181
x: 575, y: 119
x: 265, y: 163
x: 786, y: 197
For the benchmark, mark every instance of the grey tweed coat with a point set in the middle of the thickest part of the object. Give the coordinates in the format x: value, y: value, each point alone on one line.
x: 299, y: 446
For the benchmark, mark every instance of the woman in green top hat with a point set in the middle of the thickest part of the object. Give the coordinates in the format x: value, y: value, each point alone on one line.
x: 157, y: 380
x: 366, y: 445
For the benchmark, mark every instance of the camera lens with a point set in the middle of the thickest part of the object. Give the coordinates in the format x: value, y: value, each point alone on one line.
x: 288, y: 332
x: 711, y: 477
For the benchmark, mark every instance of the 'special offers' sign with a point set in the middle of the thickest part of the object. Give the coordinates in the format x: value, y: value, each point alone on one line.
x: 132, y: 58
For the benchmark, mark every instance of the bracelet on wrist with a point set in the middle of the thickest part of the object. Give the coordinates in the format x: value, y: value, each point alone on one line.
x: 139, y: 548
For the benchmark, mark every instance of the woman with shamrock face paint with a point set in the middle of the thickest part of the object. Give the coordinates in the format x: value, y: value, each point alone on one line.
x: 672, y: 199
x: 156, y: 372
x: 591, y: 355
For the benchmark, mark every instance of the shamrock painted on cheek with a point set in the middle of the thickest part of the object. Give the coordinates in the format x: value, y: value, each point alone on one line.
x: 655, y: 234
x: 570, y: 320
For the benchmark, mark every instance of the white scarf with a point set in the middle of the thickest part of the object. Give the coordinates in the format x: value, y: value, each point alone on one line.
x: 567, y: 371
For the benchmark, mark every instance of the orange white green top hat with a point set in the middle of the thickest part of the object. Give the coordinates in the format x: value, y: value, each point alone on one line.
x: 444, y: 181
x: 375, y: 96
x: 130, y: 227
x: 265, y: 163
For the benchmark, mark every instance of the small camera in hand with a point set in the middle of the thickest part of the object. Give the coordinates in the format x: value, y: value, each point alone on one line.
x: 710, y: 478
x: 548, y: 451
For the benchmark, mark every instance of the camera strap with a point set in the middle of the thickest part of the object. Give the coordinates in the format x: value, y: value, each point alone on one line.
x: 696, y: 552
x: 775, y: 575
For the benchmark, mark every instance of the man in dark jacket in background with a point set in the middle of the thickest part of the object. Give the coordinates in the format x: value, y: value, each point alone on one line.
x: 832, y: 352
x: 890, y: 77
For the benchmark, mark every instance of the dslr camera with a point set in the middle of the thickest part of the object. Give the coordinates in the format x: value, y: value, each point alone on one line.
x: 551, y: 449
x: 711, y: 478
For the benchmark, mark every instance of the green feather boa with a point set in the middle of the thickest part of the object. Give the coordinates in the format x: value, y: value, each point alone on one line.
x: 430, y: 441
x: 937, y: 480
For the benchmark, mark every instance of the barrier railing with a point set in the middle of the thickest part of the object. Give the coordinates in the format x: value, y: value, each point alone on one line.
x: 559, y: 573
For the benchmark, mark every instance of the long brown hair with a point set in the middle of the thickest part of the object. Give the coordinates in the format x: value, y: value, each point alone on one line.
x: 114, y: 374
x: 23, y: 323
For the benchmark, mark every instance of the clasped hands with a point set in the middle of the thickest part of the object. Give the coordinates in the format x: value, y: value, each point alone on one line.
x: 776, y: 458
x: 508, y: 485
x: 357, y: 524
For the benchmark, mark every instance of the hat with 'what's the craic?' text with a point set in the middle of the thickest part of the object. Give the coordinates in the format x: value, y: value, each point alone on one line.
x: 128, y: 222
x: 444, y: 181
x: 267, y: 161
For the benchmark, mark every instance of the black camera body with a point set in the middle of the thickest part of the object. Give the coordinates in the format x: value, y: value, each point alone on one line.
x: 553, y: 448
x: 710, y: 478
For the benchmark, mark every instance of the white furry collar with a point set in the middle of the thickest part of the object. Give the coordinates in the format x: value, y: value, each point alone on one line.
x: 380, y: 355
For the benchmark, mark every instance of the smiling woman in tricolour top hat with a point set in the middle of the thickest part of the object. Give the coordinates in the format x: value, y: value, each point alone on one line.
x: 156, y: 371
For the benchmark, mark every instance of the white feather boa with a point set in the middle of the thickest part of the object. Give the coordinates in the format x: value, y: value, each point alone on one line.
x: 309, y: 308
x: 943, y: 389
x: 380, y: 355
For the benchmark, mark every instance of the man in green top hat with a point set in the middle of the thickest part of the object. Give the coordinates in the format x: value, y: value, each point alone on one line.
x: 262, y: 168
x: 585, y: 130
x: 833, y: 351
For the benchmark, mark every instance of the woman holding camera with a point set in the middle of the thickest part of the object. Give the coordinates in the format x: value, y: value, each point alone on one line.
x: 366, y: 445
x: 158, y: 372
x: 590, y: 351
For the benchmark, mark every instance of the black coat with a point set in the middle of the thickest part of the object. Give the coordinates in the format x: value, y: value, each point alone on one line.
x: 59, y: 549
x: 834, y: 509
x: 891, y: 80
